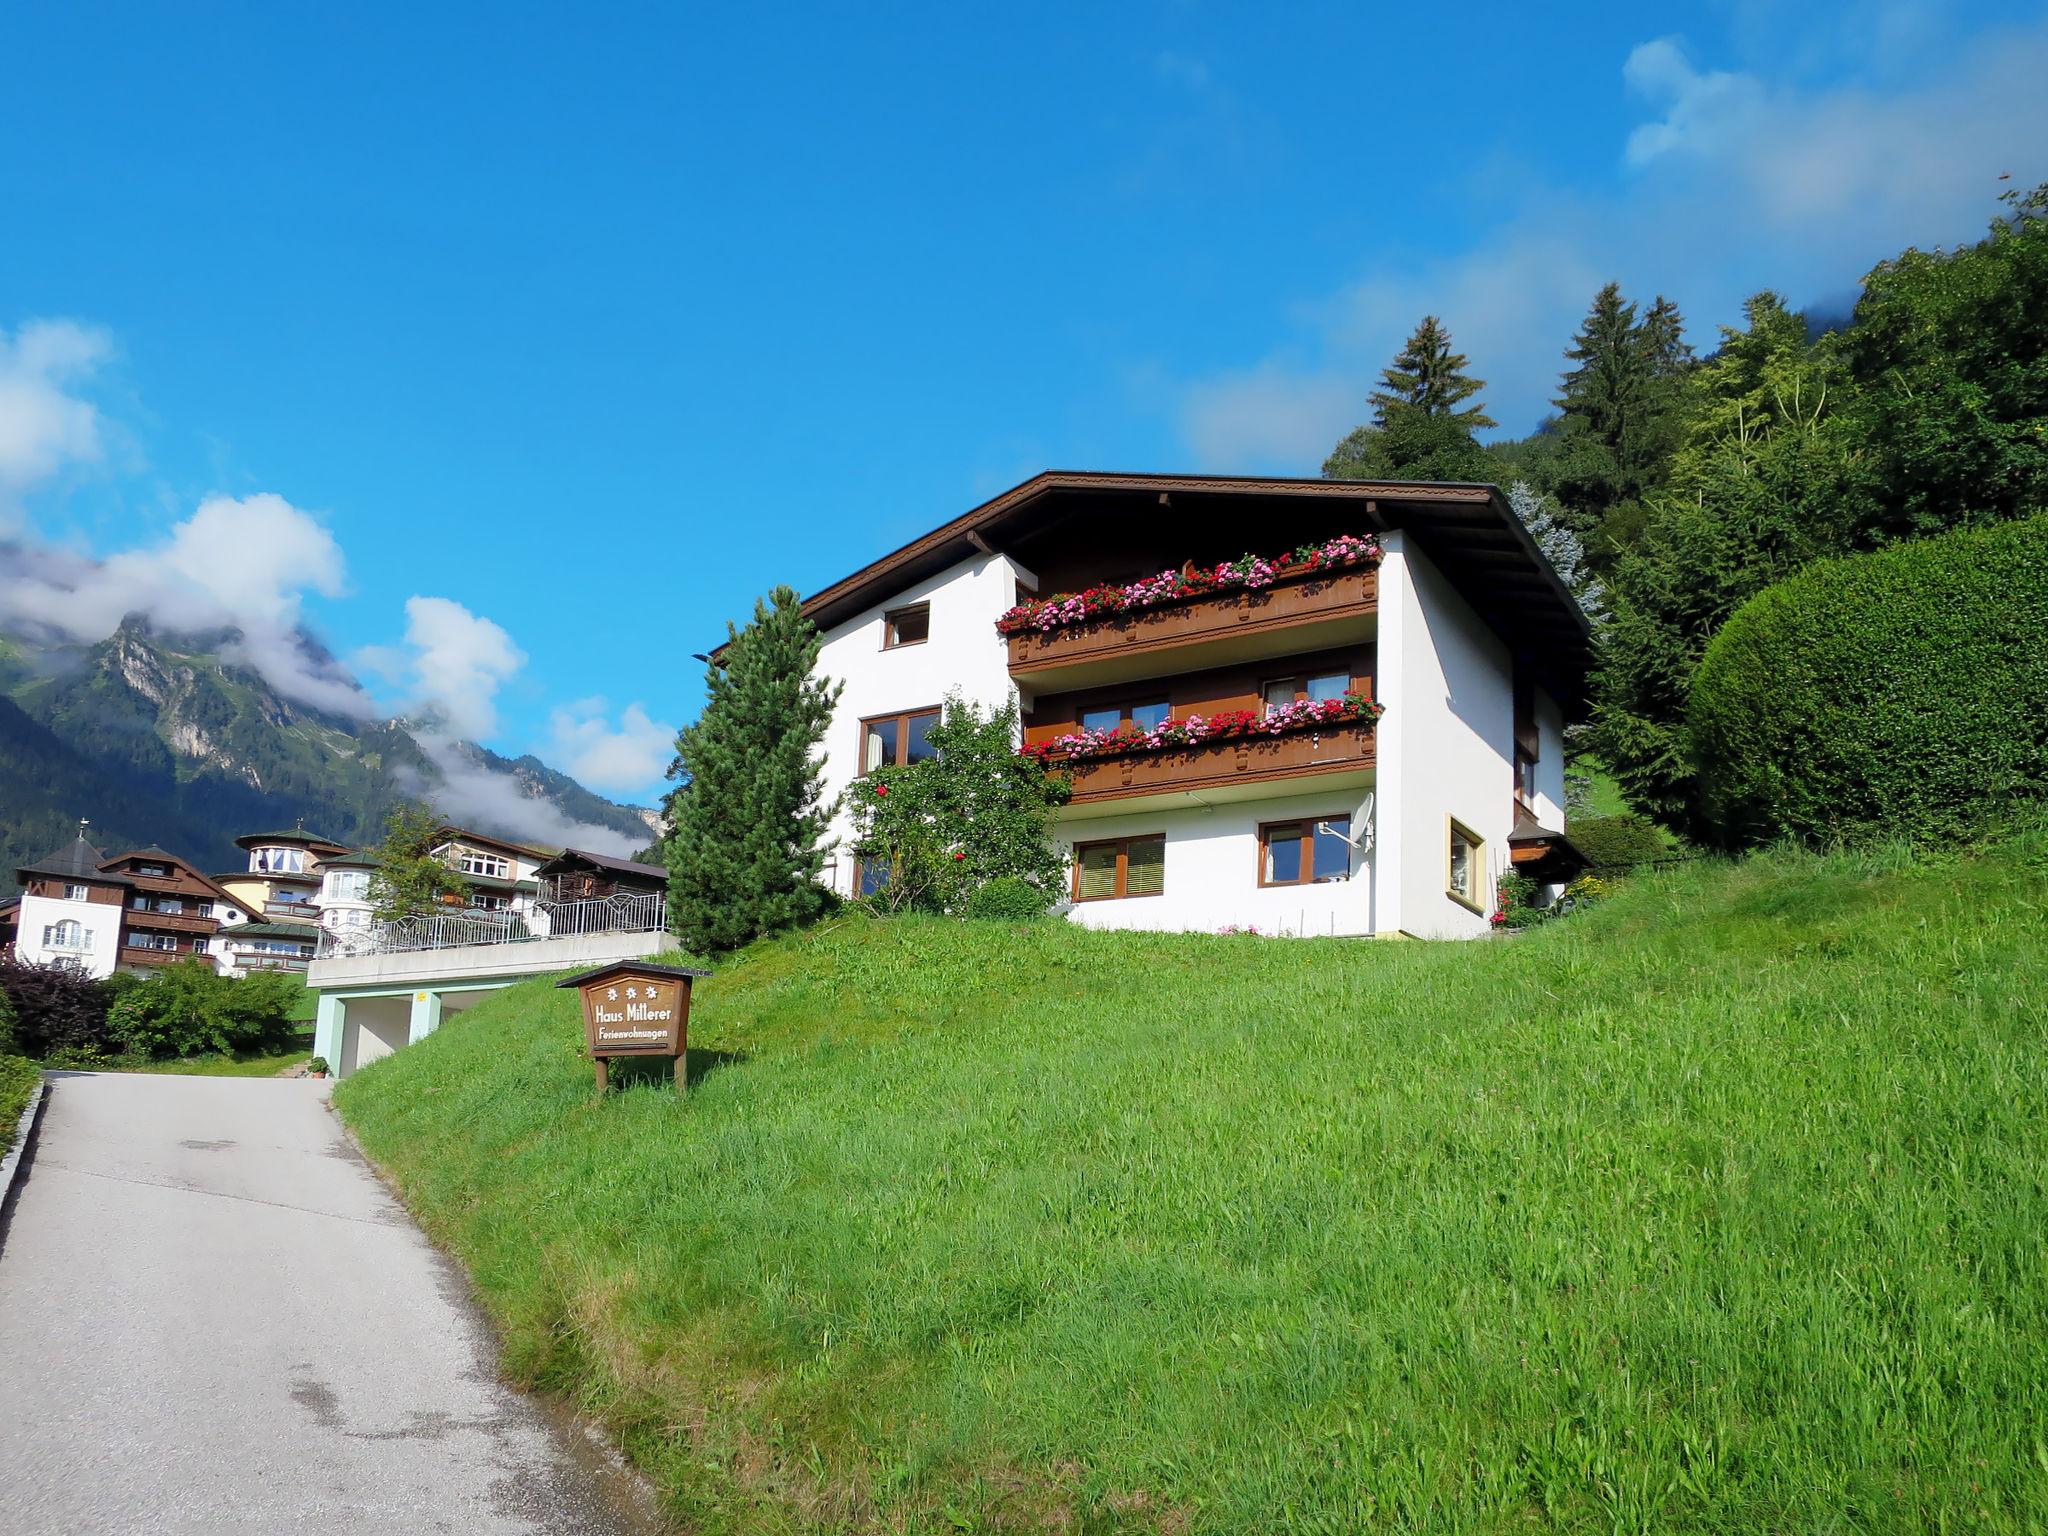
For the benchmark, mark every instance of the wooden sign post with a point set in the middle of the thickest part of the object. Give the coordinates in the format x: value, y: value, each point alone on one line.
x: 632, y: 1008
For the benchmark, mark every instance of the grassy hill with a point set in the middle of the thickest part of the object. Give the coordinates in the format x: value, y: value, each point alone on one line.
x: 1723, y: 1207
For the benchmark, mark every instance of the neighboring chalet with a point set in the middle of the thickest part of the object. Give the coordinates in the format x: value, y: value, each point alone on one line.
x: 81, y: 910
x: 573, y: 875
x: 1230, y: 765
x: 278, y: 890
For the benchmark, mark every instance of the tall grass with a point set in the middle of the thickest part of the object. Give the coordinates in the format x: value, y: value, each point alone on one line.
x: 1719, y: 1208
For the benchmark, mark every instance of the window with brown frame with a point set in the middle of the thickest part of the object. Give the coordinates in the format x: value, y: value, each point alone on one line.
x: 1120, y: 867
x: 891, y: 741
x: 871, y: 875
x: 1279, y: 692
x: 1528, y: 744
x: 1464, y: 882
x: 907, y: 626
x: 1143, y: 716
x: 1315, y: 851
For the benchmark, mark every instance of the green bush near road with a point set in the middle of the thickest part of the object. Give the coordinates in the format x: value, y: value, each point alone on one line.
x: 1902, y: 692
x: 18, y: 1079
x: 189, y: 1007
x: 1715, y: 1208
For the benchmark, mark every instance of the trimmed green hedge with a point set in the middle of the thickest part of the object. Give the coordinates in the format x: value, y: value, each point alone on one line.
x: 1903, y: 692
x: 1620, y: 842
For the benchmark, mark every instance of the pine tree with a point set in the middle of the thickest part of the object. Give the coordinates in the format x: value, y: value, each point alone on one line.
x: 747, y: 819
x: 1429, y: 377
x: 1620, y: 413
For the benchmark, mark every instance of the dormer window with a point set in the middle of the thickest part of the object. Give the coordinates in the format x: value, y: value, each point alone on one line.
x: 488, y: 865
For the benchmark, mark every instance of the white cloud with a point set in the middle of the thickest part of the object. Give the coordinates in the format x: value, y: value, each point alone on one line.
x: 453, y: 663
x: 629, y: 757
x: 44, y: 425
x: 237, y: 563
x: 470, y: 793
x: 1736, y: 183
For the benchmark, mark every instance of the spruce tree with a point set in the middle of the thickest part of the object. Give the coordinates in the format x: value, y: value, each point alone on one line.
x: 1429, y: 377
x: 747, y: 820
x: 1421, y: 429
x: 1620, y: 413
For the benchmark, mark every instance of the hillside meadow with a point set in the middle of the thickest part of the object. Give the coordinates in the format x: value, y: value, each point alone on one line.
x: 1720, y: 1207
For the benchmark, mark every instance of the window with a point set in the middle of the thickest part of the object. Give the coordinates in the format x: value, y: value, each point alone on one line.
x: 487, y: 864
x: 153, y: 941
x: 69, y: 934
x: 1144, y: 716
x: 482, y: 903
x: 890, y: 741
x: 278, y: 861
x: 870, y: 876
x: 1283, y: 691
x: 1525, y: 780
x: 1464, y: 883
x: 907, y: 626
x: 77, y: 893
x: 151, y: 869
x: 1124, y: 866
x: 1305, y: 852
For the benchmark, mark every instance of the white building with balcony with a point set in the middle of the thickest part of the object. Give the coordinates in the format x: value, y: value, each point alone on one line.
x: 1357, y: 730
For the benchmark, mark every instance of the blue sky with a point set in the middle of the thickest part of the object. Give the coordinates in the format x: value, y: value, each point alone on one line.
x: 513, y: 351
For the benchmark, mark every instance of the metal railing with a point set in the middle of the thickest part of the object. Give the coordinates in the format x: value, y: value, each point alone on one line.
x: 641, y: 912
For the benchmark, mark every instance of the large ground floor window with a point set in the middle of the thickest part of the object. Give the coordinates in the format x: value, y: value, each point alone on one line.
x: 1312, y: 851
x: 1120, y: 867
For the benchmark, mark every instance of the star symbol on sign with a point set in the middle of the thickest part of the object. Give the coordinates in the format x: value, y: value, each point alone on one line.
x: 611, y: 994
x: 632, y: 991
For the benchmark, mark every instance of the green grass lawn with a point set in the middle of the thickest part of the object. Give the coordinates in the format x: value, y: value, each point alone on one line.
x: 18, y: 1078
x: 1721, y: 1207
x: 214, y: 1064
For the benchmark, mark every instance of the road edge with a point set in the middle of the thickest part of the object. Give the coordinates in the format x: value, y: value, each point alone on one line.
x: 17, y: 1158
x: 626, y: 1489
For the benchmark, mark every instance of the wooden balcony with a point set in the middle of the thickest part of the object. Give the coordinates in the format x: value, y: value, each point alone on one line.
x: 1301, y: 612
x: 1238, y: 768
x: 170, y: 922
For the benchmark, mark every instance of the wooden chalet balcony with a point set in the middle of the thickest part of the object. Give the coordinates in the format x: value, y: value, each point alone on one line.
x: 1236, y: 768
x: 171, y: 922
x: 1299, y: 612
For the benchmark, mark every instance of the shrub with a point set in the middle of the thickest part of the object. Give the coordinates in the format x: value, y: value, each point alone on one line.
x: 975, y: 813
x: 1008, y: 898
x: 54, y: 1010
x: 1619, y: 842
x: 190, y: 1007
x: 7, y: 1045
x: 1899, y: 691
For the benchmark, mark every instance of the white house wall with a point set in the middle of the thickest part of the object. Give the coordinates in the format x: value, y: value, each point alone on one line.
x: 964, y: 655
x: 1445, y: 748
x: 100, y: 919
x: 1549, y: 762
x: 1212, y: 870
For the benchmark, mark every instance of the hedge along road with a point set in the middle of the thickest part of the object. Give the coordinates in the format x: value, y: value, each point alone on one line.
x: 214, y: 1318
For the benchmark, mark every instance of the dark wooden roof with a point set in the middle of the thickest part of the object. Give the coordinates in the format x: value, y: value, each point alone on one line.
x: 1469, y: 531
x: 77, y: 860
x: 576, y: 858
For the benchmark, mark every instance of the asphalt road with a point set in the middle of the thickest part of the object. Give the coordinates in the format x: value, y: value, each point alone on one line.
x: 213, y: 1318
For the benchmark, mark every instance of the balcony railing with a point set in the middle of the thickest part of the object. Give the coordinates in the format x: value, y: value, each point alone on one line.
x: 1323, y: 599
x: 1214, y: 765
x: 639, y: 913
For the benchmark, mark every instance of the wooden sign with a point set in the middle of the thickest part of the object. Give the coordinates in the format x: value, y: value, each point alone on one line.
x: 633, y: 1008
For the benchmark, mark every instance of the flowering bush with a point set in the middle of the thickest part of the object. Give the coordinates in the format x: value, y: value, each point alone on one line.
x: 1246, y: 573
x: 1191, y: 730
x: 1518, y: 908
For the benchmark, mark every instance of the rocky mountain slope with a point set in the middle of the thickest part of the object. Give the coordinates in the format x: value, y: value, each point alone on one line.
x: 160, y: 739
